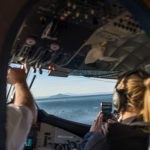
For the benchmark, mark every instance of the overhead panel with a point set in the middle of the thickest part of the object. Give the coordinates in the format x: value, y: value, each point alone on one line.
x: 80, y: 35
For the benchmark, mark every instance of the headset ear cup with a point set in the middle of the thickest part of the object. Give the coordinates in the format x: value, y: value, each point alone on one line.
x: 116, y: 100
x: 119, y: 99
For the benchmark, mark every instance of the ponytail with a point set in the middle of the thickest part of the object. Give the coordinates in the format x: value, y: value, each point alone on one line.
x: 146, y: 111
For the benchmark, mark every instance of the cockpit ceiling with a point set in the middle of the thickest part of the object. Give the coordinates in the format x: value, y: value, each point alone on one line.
x: 90, y: 38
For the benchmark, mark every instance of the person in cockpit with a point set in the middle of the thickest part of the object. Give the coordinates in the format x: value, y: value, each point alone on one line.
x: 21, y: 114
x: 131, y: 132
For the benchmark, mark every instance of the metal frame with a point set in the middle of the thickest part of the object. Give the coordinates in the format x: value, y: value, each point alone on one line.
x: 23, y: 7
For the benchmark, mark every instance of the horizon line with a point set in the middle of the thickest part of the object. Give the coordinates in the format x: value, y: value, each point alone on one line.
x: 73, y: 95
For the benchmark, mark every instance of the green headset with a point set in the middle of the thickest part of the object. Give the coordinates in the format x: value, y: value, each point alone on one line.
x: 119, y: 97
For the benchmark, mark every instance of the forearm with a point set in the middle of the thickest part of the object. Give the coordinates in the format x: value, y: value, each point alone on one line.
x: 23, y: 97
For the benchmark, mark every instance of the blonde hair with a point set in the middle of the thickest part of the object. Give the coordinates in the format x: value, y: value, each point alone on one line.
x: 146, y: 112
x: 137, y: 92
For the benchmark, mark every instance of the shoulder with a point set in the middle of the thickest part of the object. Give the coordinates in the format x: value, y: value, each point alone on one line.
x: 19, y: 109
x: 19, y: 113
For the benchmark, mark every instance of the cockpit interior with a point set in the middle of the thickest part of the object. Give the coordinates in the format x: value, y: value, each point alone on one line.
x: 90, y: 38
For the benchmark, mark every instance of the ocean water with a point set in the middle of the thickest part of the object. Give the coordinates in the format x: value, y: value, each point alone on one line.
x: 83, y: 109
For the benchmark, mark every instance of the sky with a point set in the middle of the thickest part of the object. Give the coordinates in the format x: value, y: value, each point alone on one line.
x: 45, y: 85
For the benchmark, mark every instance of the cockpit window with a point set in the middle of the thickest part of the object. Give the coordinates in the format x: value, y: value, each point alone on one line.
x: 73, y: 98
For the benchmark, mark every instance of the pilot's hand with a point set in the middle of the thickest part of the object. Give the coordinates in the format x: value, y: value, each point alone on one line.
x: 16, y: 75
x: 97, y: 125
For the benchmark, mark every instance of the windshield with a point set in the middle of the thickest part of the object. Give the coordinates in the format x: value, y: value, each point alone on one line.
x: 73, y: 98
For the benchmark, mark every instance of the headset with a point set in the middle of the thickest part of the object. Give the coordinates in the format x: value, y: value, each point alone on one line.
x: 119, y: 97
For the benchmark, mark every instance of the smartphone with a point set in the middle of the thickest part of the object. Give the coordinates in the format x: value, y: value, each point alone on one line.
x: 106, y: 108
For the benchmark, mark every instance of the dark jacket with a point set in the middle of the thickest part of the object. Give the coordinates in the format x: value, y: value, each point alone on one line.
x: 127, y: 135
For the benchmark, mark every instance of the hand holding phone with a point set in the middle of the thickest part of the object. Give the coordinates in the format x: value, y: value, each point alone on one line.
x: 106, y: 108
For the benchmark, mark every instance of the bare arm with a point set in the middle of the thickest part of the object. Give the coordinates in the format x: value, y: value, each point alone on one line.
x: 23, y: 96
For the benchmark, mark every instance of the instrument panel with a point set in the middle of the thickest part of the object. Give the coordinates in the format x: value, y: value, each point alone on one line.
x: 54, y: 35
x: 48, y: 137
